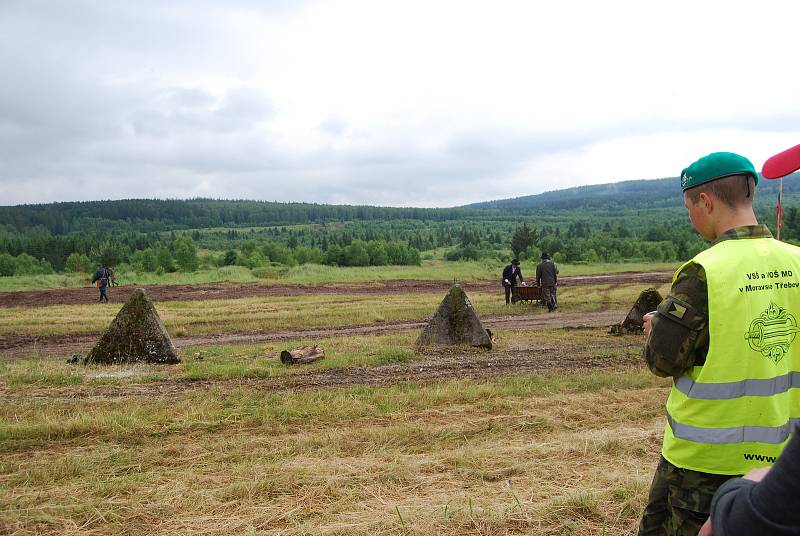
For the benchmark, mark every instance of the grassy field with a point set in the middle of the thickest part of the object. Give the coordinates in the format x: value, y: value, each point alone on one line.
x: 215, y: 362
x: 554, y: 453
x: 241, y: 361
x: 316, y: 274
x: 252, y: 314
x: 221, y: 444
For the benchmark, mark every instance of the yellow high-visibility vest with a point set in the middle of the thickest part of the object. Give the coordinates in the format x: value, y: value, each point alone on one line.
x: 734, y: 413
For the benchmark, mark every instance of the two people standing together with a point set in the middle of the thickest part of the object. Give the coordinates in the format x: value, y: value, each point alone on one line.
x: 546, y: 278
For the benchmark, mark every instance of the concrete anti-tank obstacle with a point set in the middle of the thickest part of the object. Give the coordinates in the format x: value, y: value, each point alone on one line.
x: 648, y: 301
x: 136, y: 334
x: 455, y: 323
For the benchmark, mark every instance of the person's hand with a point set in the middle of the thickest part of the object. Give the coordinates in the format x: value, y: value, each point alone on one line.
x: 757, y: 474
x: 647, y: 323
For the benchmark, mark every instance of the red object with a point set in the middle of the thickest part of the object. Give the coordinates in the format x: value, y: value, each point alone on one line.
x: 782, y: 164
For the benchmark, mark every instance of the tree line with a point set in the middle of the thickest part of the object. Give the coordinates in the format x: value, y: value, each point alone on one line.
x: 148, y: 215
x: 140, y: 233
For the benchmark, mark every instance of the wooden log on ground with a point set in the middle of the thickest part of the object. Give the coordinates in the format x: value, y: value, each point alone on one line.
x: 301, y: 356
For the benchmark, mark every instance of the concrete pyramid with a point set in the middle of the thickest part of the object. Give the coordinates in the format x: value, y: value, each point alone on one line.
x: 136, y: 334
x: 455, y: 322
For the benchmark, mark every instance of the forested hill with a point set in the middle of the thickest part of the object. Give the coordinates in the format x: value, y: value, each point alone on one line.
x: 638, y: 194
x: 152, y: 215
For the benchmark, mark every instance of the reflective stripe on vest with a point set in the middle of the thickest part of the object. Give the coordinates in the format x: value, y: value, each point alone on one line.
x: 736, y: 410
x: 773, y: 435
x: 728, y: 390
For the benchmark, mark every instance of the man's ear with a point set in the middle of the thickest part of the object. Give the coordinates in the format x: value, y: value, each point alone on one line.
x: 707, y: 201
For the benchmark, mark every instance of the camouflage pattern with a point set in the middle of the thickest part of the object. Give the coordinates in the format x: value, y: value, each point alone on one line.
x: 674, y: 347
x: 679, y: 501
x: 746, y: 231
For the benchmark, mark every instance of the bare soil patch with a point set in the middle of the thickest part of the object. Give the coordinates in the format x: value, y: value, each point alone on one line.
x: 15, y: 345
x: 219, y: 291
x: 433, y: 365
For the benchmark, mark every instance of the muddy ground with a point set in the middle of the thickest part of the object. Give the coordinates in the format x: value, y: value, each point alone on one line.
x: 15, y: 345
x: 219, y: 291
x: 430, y: 366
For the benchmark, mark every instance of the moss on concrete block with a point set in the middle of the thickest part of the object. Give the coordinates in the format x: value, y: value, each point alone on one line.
x: 136, y: 334
x: 455, y: 322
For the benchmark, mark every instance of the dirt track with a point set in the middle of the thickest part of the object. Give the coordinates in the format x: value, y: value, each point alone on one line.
x: 219, y: 291
x: 12, y: 345
x: 434, y: 365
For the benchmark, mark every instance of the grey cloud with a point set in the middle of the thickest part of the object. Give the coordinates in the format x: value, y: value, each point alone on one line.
x: 188, y: 98
x: 246, y: 103
x: 174, y: 111
x: 334, y: 125
x: 89, y: 109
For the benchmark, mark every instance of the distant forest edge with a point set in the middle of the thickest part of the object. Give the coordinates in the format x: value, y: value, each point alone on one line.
x: 627, y: 221
x: 154, y: 215
x: 636, y: 194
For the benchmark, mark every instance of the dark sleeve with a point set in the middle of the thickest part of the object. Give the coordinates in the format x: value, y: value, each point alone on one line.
x: 519, y: 272
x: 744, y: 507
x: 679, y: 338
x: 555, y: 272
x: 538, y: 275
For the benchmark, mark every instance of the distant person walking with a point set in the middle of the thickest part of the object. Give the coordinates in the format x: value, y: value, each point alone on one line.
x: 547, y: 279
x: 510, y: 275
x: 101, y: 277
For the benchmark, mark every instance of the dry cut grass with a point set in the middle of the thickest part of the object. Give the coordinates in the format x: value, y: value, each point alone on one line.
x: 566, y: 452
x: 555, y: 454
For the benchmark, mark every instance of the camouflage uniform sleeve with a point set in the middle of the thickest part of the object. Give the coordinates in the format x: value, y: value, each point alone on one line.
x: 679, y: 338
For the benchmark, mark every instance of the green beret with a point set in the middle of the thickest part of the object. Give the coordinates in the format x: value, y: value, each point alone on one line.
x: 716, y: 166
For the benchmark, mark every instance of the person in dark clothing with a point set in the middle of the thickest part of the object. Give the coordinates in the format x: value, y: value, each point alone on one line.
x: 510, y: 275
x: 547, y: 278
x: 764, y: 501
x: 101, y: 278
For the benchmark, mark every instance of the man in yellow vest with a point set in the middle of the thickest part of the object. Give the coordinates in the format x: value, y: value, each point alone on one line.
x: 727, y: 335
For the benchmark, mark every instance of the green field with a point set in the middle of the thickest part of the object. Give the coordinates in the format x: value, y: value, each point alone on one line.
x: 554, y: 431
x: 314, y: 274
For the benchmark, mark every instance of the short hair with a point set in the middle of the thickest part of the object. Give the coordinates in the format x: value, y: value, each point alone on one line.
x: 730, y: 190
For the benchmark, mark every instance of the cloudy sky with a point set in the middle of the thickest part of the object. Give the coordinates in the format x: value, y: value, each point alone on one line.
x: 403, y: 103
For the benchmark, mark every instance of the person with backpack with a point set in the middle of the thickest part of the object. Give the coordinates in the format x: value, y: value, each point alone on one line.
x: 100, y: 278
